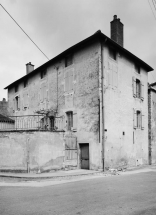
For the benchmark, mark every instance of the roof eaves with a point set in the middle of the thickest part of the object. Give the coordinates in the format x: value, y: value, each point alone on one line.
x: 96, y: 35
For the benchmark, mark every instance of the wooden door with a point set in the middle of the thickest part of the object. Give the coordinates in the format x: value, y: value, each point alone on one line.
x: 84, y: 148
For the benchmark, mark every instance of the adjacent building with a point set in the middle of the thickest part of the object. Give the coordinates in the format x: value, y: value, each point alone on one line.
x: 96, y: 93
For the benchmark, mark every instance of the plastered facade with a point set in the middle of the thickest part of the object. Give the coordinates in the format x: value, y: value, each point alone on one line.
x: 124, y: 145
x: 49, y: 94
x: 31, y: 151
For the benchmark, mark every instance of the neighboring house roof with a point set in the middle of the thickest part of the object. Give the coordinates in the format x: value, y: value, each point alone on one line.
x: 153, y: 84
x: 5, y: 119
x: 96, y: 36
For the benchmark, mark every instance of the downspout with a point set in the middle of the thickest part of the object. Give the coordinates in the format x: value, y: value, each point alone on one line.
x: 57, y: 68
x: 102, y: 103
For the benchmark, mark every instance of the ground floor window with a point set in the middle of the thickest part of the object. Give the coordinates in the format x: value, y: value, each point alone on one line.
x: 69, y: 120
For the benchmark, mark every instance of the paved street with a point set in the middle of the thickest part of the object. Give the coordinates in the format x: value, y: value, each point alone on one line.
x: 124, y: 194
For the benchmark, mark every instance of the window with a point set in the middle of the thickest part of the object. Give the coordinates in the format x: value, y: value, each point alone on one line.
x: 138, y: 119
x: 16, y: 103
x: 69, y: 120
x: 112, y: 53
x: 16, y: 88
x: 137, y: 68
x: 43, y: 74
x: 138, y: 89
x: 68, y: 60
x: 52, y: 124
x: 25, y: 83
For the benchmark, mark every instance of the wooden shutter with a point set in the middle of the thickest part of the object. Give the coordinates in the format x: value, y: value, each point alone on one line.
x: 142, y: 91
x: 14, y: 104
x: 142, y: 121
x: 134, y: 86
x: 134, y: 118
x: 74, y: 121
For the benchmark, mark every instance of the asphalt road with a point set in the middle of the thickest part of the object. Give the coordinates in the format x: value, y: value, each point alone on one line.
x: 133, y: 194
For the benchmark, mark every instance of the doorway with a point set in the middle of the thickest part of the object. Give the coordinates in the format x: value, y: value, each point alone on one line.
x: 84, y: 155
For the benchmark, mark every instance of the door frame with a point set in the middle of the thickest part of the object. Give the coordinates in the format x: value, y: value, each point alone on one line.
x: 79, y: 146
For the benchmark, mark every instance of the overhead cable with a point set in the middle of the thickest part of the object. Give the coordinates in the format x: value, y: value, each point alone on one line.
x: 24, y: 31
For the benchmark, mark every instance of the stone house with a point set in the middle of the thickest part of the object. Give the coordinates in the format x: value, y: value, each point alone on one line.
x: 152, y: 122
x: 95, y: 92
x: 4, y: 107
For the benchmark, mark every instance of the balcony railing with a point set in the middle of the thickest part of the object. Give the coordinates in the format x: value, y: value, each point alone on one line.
x: 27, y: 122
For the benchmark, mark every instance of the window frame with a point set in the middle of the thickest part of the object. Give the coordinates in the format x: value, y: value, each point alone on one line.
x: 25, y: 83
x: 69, y: 115
x: 68, y: 60
x: 112, y: 53
x: 43, y: 73
x: 16, y: 88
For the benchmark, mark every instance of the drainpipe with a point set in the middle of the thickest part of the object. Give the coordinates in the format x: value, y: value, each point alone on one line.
x: 57, y: 68
x: 102, y: 103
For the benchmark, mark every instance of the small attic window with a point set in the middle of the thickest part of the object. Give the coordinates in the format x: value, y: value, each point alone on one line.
x: 43, y: 74
x: 16, y: 88
x: 25, y: 83
x: 68, y: 60
x: 112, y: 53
x: 137, y: 68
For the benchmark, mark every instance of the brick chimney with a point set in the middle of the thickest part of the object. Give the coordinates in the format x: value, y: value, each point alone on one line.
x: 29, y: 68
x: 117, y: 31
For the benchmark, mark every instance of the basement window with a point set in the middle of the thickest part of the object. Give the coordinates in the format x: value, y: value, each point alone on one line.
x: 68, y: 60
x: 112, y: 53
x: 43, y: 74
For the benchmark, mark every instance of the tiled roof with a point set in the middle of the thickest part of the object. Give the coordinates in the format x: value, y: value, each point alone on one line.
x: 5, y: 119
x: 98, y: 36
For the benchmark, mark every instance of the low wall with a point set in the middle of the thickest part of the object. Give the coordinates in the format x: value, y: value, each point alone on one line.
x: 31, y: 151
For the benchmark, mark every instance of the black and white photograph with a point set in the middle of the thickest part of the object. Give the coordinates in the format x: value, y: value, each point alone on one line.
x: 77, y: 107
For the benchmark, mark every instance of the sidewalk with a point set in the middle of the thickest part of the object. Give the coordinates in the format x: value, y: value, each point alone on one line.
x: 72, y: 173
x: 50, y: 175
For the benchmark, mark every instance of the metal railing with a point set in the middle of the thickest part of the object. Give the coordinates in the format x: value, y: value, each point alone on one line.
x: 26, y: 122
x: 32, y: 122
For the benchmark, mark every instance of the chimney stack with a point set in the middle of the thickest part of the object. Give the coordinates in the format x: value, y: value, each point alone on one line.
x: 117, y: 31
x: 29, y: 68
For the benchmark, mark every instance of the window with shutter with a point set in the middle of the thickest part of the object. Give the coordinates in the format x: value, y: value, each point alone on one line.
x: 138, y: 115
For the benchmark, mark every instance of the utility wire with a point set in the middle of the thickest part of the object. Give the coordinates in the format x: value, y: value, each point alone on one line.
x: 154, y: 4
x: 151, y: 9
x: 23, y: 31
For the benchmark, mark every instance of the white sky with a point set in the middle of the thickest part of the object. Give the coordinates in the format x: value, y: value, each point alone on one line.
x: 55, y: 25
